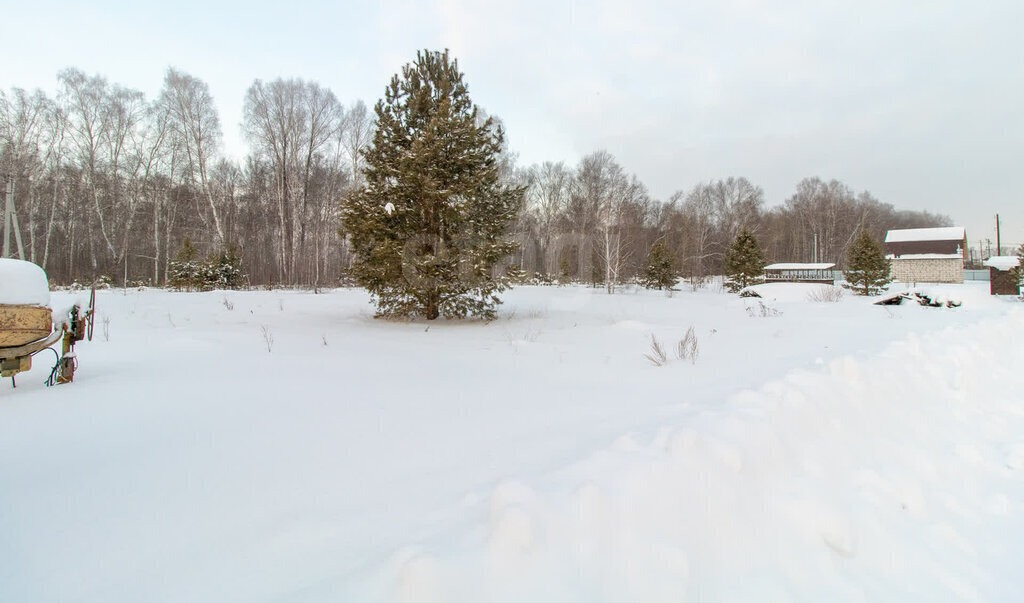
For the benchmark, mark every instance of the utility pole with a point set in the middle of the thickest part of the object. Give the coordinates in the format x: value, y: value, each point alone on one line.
x: 11, y: 219
x: 999, y: 240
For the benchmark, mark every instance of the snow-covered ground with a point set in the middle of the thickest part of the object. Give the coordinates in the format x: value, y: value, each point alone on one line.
x: 286, y: 446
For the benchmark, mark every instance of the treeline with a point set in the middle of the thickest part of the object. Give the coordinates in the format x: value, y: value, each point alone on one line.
x: 109, y: 183
x: 595, y: 222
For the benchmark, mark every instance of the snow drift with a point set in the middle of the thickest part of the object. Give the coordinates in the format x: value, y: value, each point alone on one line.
x: 897, y: 477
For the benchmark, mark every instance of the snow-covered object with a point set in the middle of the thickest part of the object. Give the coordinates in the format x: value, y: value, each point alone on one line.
x: 23, y: 284
x: 797, y: 266
x: 945, y: 233
x: 787, y: 292
x: 925, y: 256
x: 1002, y: 262
x: 389, y: 208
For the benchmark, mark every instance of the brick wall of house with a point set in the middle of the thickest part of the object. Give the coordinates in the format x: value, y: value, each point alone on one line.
x: 930, y: 270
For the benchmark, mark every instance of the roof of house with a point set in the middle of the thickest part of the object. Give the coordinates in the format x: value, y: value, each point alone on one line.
x: 946, y: 242
x: 1002, y: 262
x: 794, y: 266
x: 925, y: 256
x: 945, y: 233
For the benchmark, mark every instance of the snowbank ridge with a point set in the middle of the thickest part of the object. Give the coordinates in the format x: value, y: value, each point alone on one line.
x: 894, y: 477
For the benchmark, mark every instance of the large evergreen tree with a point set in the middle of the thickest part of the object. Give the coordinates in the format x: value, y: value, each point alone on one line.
x: 868, y: 271
x: 660, y: 272
x: 744, y: 261
x: 429, y: 229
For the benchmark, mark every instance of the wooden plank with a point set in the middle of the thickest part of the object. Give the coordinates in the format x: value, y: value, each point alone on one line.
x: 20, y: 325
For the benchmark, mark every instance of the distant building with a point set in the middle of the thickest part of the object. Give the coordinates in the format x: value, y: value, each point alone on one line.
x: 799, y: 273
x: 1000, y: 278
x: 927, y: 255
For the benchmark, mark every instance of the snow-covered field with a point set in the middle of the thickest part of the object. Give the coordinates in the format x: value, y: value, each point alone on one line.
x: 286, y: 446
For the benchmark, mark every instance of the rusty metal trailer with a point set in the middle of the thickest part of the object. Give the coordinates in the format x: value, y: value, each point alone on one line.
x: 26, y: 330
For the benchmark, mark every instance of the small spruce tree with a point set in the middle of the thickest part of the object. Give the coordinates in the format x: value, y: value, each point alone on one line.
x: 867, y: 271
x: 429, y: 228
x: 1018, y: 271
x: 744, y: 262
x: 225, y: 269
x: 184, y: 271
x: 219, y: 271
x: 660, y: 272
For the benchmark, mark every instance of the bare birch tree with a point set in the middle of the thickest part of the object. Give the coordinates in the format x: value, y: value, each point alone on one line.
x: 195, y: 126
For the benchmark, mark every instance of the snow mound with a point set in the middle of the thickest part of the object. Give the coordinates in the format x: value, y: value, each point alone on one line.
x: 941, y: 294
x: 23, y: 284
x: 789, y: 292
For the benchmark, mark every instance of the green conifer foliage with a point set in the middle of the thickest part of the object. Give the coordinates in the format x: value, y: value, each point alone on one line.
x: 220, y: 270
x: 224, y: 269
x: 184, y: 272
x: 430, y: 227
x: 1018, y: 271
x: 660, y: 272
x: 868, y: 272
x: 744, y: 261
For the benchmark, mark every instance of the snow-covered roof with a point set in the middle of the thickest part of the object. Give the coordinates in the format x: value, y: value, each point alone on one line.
x: 945, y: 233
x: 23, y: 284
x: 926, y: 256
x: 1002, y: 262
x: 797, y: 266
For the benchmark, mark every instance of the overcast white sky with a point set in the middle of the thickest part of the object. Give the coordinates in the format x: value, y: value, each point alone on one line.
x: 919, y: 103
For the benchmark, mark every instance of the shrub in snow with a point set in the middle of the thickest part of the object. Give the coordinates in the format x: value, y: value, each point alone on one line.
x: 268, y: 337
x: 515, y: 275
x: 219, y: 271
x: 686, y: 348
x: 224, y: 269
x: 657, y: 356
x: 868, y: 272
x: 744, y: 262
x: 762, y: 310
x: 825, y: 294
x: 184, y: 270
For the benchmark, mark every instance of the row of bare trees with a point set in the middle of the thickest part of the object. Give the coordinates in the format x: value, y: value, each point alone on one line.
x: 597, y: 223
x: 110, y: 183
